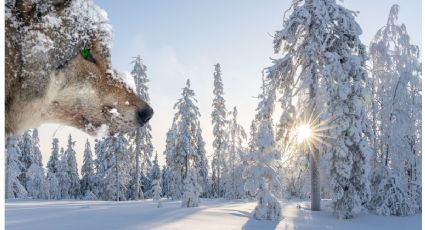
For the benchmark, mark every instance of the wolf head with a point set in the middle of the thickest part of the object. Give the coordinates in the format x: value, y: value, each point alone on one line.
x: 58, y: 69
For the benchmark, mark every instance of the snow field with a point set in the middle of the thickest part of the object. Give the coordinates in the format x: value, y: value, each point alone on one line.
x: 211, y: 214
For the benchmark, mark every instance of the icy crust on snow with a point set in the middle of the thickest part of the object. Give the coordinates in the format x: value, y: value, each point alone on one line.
x: 54, y: 36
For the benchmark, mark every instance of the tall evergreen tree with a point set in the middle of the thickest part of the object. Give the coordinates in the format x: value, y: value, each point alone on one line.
x: 52, y: 164
x: 63, y: 176
x: 172, y: 180
x: 114, y: 178
x: 36, y: 153
x: 157, y: 191
x: 13, y: 188
x: 260, y: 175
x: 201, y: 162
x: 74, y: 190
x: 323, y: 65
x: 37, y: 185
x: 185, y: 147
x: 155, y: 172
x: 218, y: 116
x: 167, y: 182
x: 87, y: 171
x: 100, y: 166
x: 191, y: 189
x: 52, y: 171
x: 54, y: 187
x: 26, y: 147
x: 142, y: 136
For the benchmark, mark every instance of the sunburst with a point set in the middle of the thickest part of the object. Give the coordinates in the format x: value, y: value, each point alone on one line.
x: 303, y: 132
x: 311, y: 131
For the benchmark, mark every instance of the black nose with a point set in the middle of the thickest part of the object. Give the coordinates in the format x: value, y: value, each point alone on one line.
x: 144, y: 115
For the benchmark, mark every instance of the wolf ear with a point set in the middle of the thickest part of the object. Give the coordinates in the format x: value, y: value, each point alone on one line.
x: 28, y: 8
x: 59, y: 3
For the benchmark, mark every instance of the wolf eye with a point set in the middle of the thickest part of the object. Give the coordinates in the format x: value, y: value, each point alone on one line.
x: 85, y: 53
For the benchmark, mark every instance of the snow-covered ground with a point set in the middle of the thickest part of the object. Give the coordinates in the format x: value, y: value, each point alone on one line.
x: 211, y: 214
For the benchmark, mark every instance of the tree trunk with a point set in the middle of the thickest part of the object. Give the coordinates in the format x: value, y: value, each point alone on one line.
x: 315, y: 181
x: 218, y: 171
x: 117, y: 177
x: 137, y: 177
x: 374, y: 159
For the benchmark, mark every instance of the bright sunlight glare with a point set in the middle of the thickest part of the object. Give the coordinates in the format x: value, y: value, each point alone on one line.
x: 303, y: 132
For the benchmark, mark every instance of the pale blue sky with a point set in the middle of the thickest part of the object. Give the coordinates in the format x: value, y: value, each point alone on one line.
x: 184, y: 39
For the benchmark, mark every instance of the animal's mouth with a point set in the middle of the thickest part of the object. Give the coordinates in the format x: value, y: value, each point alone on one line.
x: 115, y: 124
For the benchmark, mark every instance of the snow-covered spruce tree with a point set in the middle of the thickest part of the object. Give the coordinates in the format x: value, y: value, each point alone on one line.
x: 26, y: 147
x: 323, y: 63
x: 191, y: 189
x: 142, y: 137
x: 155, y: 171
x: 52, y: 171
x: 114, y: 178
x: 164, y: 185
x: 153, y: 174
x: 346, y: 80
x: 36, y: 153
x: 396, y: 83
x: 172, y: 180
x: 218, y: 117
x: 145, y: 183
x: 37, y: 185
x: 132, y: 171
x: 233, y: 185
x: 14, y: 188
x: 74, y: 189
x: 99, y: 165
x: 185, y: 147
x: 87, y: 172
x: 63, y: 176
x: 52, y: 164
x: 106, y: 183
x: 201, y: 162
x: 157, y: 191
x: 54, y: 187
x: 260, y: 175
x: 167, y: 183
x: 252, y: 134
x: 121, y: 165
